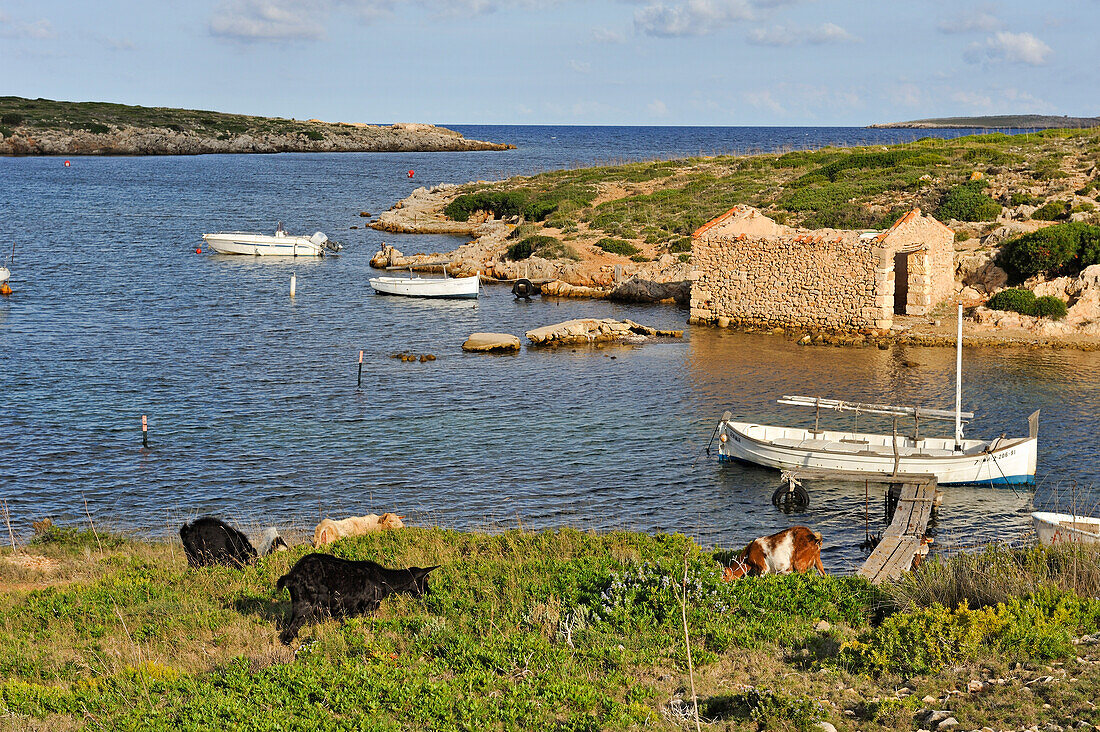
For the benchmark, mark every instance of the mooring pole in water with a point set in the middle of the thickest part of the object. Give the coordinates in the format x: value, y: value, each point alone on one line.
x: 293, y: 283
x: 359, y: 381
x: 144, y: 431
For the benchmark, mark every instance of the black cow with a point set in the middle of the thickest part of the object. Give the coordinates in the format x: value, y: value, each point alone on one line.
x: 323, y: 586
x: 208, y: 541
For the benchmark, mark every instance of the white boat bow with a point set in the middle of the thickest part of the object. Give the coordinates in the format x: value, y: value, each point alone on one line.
x: 1064, y: 528
x: 437, y: 287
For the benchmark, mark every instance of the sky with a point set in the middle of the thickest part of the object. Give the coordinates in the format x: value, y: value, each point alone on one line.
x: 627, y: 62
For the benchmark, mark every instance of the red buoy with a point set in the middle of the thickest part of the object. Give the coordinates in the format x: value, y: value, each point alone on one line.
x: 198, y: 251
x: 411, y: 173
x: 66, y: 163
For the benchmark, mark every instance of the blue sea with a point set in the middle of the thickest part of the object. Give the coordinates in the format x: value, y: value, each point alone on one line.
x: 251, y: 396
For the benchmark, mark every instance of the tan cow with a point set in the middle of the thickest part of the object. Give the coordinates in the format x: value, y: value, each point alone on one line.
x: 329, y: 531
x: 796, y: 549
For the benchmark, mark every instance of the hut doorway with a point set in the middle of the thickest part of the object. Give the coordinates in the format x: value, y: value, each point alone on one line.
x: 901, y: 282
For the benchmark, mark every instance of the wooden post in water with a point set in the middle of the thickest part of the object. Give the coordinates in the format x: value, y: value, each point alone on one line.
x: 359, y: 381
x: 293, y: 283
x: 144, y: 431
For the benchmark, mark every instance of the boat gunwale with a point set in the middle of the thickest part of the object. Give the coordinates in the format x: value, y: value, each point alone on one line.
x: 868, y: 453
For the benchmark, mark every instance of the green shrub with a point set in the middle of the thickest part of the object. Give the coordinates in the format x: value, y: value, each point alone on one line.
x: 499, y: 203
x: 617, y: 246
x: 1055, y: 250
x: 682, y: 244
x: 546, y: 247
x: 94, y: 127
x: 926, y: 640
x: 314, y: 135
x: 1051, y: 211
x: 1017, y: 300
x: 968, y: 202
x: 1049, y: 306
x: 5, y: 132
x: 12, y: 118
x: 1023, y: 199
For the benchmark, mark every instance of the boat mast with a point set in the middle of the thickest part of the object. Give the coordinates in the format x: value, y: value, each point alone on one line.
x: 958, y: 383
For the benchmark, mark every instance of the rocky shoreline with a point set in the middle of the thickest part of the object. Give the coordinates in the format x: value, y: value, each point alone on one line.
x: 322, y: 137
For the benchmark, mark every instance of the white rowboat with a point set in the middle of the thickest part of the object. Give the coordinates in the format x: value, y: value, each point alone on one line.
x: 441, y: 287
x: 1064, y: 528
x: 952, y: 461
x: 280, y: 244
x: 5, y: 274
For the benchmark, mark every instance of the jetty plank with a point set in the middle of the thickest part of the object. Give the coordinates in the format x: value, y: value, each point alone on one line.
x: 902, y: 540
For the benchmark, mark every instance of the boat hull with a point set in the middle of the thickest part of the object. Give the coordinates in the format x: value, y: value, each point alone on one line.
x: 263, y: 246
x: 5, y: 273
x: 449, y: 288
x: 1004, y: 462
x: 1063, y: 528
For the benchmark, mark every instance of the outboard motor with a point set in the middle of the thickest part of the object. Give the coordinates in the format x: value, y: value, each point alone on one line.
x: 319, y: 239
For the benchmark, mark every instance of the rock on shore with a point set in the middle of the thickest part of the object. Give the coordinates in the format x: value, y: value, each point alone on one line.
x: 127, y: 140
x: 596, y: 330
x: 488, y: 342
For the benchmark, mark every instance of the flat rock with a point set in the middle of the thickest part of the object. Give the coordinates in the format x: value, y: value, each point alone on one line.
x: 484, y: 342
x: 596, y: 330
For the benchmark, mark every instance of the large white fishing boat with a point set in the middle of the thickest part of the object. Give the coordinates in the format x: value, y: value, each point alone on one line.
x: 280, y: 244
x: 440, y: 287
x: 1003, y: 461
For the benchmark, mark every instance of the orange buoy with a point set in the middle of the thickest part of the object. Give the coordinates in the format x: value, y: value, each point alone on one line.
x: 5, y: 289
x: 198, y: 250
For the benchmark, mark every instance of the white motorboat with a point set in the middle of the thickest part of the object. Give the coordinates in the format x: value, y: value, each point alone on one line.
x: 5, y: 275
x: 280, y: 244
x: 440, y: 287
x: 952, y: 461
x: 1064, y: 528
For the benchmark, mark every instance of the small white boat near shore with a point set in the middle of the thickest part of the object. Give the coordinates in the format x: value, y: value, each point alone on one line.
x: 5, y: 275
x: 280, y: 244
x: 437, y: 287
x: 1064, y: 528
x: 953, y: 461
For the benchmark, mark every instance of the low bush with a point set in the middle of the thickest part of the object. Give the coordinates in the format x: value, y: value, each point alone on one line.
x: 1049, y: 306
x: 968, y: 202
x: 1062, y: 249
x: 94, y: 127
x: 1023, y: 199
x: 1051, y: 211
x: 1017, y: 300
x: 11, y: 118
x: 546, y: 247
x: 314, y: 135
x: 617, y: 246
x: 500, y: 204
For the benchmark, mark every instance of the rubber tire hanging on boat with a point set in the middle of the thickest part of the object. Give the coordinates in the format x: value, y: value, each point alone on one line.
x: 787, y: 498
x: 524, y: 288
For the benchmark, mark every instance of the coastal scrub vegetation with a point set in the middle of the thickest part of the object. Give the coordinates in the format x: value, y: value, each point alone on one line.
x: 1023, y: 301
x: 1062, y: 249
x: 546, y: 247
x: 550, y: 629
x: 617, y: 246
x: 657, y: 205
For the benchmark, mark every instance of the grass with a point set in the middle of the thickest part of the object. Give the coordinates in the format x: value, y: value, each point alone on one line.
x: 663, y: 202
x: 551, y: 629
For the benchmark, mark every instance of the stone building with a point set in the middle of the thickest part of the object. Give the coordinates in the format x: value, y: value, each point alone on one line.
x: 753, y: 271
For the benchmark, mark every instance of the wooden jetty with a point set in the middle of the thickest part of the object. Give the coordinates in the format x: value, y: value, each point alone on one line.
x: 915, y: 497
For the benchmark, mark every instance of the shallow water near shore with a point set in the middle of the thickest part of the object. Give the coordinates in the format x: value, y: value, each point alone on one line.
x: 251, y: 396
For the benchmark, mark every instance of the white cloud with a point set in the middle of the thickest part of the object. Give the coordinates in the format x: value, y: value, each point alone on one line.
x: 979, y: 20
x: 657, y: 108
x: 780, y: 35
x: 252, y: 20
x: 1022, y: 48
x: 581, y: 67
x: 765, y: 100
x: 37, y: 30
x: 973, y: 101
x: 907, y: 94
x: 606, y: 35
x: 691, y: 18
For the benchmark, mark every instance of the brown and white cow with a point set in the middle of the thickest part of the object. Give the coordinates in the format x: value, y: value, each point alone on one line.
x: 796, y: 549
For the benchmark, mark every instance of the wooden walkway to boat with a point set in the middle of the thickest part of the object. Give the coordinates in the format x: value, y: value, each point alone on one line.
x: 902, y: 540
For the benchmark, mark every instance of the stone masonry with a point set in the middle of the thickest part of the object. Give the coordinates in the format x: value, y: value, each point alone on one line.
x: 751, y: 271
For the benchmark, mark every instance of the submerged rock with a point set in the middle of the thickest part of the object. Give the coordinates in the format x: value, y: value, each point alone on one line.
x: 637, y: 289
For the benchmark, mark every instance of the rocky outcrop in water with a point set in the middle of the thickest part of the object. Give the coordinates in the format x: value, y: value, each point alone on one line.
x: 28, y: 140
x: 596, y: 330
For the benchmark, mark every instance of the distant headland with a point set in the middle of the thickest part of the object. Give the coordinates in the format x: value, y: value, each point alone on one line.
x: 48, y: 127
x: 997, y: 121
